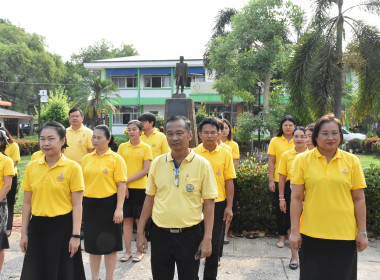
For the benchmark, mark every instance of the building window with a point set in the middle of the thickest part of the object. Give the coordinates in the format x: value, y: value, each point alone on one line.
x: 157, y: 81
x: 224, y: 112
x: 127, y: 113
x: 195, y: 78
x: 129, y: 81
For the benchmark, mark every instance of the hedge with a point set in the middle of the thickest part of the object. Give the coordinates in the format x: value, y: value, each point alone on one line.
x: 368, y: 146
x: 254, y: 209
x: 28, y: 147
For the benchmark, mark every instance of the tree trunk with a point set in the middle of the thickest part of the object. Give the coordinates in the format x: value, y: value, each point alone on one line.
x: 266, y: 91
x: 339, y: 79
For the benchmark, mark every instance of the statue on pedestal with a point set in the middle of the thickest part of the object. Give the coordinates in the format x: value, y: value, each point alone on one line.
x: 180, y: 76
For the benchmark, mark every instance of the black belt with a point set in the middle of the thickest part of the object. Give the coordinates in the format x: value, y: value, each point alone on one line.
x: 177, y: 230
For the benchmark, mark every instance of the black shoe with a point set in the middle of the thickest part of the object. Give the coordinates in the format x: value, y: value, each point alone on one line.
x: 293, y: 266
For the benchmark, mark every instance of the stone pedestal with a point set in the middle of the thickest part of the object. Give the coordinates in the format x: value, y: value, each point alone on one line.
x: 183, y: 107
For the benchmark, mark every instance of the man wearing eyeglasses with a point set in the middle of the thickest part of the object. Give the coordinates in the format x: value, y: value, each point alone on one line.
x: 224, y: 171
x: 177, y: 183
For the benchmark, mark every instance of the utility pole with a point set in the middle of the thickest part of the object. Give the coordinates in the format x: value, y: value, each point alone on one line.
x: 42, y: 97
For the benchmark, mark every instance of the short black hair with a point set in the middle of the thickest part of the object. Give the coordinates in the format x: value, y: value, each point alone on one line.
x: 310, y: 127
x: 107, y: 133
x: 299, y: 128
x: 59, y: 128
x: 177, y: 118
x: 284, y: 119
x: 229, y: 136
x: 76, y: 109
x: 326, y: 119
x: 211, y: 121
x: 3, y: 141
x: 148, y: 117
x: 136, y: 123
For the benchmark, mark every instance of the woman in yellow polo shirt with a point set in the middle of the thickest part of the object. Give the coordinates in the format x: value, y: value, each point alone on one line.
x: 309, y: 133
x: 332, y: 227
x: 105, y: 177
x: 52, y: 212
x: 137, y: 156
x: 6, y: 173
x: 13, y: 151
x: 277, y: 146
x: 284, y: 170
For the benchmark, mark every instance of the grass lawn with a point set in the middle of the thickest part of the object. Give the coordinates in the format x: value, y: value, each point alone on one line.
x: 20, y: 194
x: 367, y: 160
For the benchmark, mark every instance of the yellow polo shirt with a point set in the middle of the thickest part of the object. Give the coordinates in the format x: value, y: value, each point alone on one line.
x: 101, y: 173
x: 6, y: 168
x: 134, y: 157
x: 286, y: 161
x: 225, y: 146
x: 79, y: 142
x: 13, y: 151
x: 52, y: 186
x: 234, y: 147
x: 222, y: 166
x: 180, y: 206
x: 37, y: 155
x: 157, y: 141
x: 328, y: 210
x: 277, y: 146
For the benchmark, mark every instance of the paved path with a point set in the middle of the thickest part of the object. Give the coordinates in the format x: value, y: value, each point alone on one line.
x: 244, y: 259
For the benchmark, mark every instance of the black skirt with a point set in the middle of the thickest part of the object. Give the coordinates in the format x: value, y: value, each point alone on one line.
x: 4, y: 244
x: 101, y: 235
x: 48, y: 254
x: 327, y: 259
x: 134, y: 204
x: 282, y: 219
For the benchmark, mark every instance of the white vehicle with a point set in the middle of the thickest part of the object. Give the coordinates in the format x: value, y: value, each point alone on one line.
x: 347, y: 136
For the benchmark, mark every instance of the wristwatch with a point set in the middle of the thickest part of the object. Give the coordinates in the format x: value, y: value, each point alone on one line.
x: 362, y: 232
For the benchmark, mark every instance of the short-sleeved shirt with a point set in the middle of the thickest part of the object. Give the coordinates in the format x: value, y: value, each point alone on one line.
x: 328, y: 211
x: 286, y: 162
x: 102, y: 173
x: 277, y: 146
x: 157, y: 141
x: 6, y: 168
x: 37, y: 155
x: 134, y: 157
x: 180, y: 206
x: 79, y: 142
x: 51, y: 187
x: 13, y: 151
x: 222, y: 165
x: 234, y: 147
x: 225, y: 146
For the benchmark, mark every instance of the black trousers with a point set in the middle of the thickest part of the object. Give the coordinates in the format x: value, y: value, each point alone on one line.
x: 211, y: 264
x: 282, y: 219
x: 169, y: 249
x: 11, y: 198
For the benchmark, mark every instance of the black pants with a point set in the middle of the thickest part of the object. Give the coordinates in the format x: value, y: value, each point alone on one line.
x: 282, y: 219
x: 169, y: 249
x: 11, y: 198
x: 211, y: 264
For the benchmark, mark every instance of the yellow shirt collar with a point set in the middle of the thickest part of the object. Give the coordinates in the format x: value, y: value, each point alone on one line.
x: 217, y: 148
x: 189, y: 157
x: 338, y: 153
x: 283, y: 138
x: 71, y: 128
x: 61, y: 162
x: 139, y: 145
x: 154, y: 132
x: 106, y: 153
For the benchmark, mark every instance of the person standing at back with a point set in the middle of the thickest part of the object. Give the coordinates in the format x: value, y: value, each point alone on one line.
x: 78, y: 137
x: 155, y: 139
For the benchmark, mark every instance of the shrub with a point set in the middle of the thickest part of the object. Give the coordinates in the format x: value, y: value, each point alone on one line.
x: 372, y: 196
x: 57, y: 108
x: 28, y: 147
x: 160, y: 123
x: 369, y: 144
x: 355, y: 145
x: 119, y: 140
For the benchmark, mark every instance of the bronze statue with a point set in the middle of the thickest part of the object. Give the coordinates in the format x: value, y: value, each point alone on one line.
x: 180, y: 74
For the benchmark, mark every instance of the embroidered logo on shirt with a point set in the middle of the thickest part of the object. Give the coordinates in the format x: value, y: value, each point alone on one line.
x: 139, y: 152
x: 60, y: 178
x: 154, y: 145
x: 80, y: 141
x: 189, y: 188
x: 345, y: 171
x: 219, y: 172
x: 105, y: 171
x: 84, y: 135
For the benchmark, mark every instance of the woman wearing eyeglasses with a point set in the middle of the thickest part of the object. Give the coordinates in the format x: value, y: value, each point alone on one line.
x: 332, y: 227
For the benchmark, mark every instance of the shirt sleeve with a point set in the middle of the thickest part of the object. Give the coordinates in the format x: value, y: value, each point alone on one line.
x: 282, y: 165
x: 235, y: 151
x: 151, y: 187
x: 120, y: 150
x: 148, y: 155
x: 15, y: 152
x: 9, y: 169
x: 209, y: 185
x: 120, y: 172
x: 296, y: 176
x: 89, y: 137
x: 165, y: 146
x: 229, y: 170
x: 358, y: 178
x: 272, y: 147
x: 25, y: 185
x: 76, y: 178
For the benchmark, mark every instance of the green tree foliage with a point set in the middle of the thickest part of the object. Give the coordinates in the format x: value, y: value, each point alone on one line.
x: 25, y: 65
x: 315, y: 74
x: 97, y: 97
x: 257, y: 47
x: 57, y: 108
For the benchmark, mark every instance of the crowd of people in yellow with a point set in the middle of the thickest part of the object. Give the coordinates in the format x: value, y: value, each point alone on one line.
x: 181, y: 199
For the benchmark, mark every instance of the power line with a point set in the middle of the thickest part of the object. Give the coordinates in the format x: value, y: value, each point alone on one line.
x: 26, y: 83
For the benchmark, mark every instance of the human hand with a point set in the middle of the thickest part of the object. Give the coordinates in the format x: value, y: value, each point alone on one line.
x: 361, y: 242
x: 283, y: 206
x: 118, y: 216
x: 126, y: 193
x: 24, y: 243
x: 73, y: 246
x: 141, y: 243
x: 206, y: 249
x: 272, y: 186
x: 228, y: 215
x: 295, y: 241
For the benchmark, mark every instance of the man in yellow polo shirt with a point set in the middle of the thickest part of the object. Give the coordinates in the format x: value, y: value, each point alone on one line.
x: 177, y: 183
x: 151, y: 136
x: 224, y: 171
x: 78, y: 136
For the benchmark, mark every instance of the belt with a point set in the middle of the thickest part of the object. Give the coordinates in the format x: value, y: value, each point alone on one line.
x: 177, y: 230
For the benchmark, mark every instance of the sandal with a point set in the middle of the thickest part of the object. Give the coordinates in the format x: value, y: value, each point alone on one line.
x: 138, y: 258
x: 293, y: 266
x: 280, y: 244
x: 125, y: 258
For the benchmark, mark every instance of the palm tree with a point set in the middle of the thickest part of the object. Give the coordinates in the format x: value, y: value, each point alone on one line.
x: 315, y: 74
x: 99, y: 97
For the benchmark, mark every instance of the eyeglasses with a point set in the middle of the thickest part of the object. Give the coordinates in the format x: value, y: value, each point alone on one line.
x: 333, y: 134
